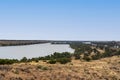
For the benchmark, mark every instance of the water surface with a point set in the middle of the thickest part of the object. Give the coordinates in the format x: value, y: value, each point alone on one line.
x: 30, y: 51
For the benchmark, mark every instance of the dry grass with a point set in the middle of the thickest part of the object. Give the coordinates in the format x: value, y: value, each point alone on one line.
x: 104, y: 69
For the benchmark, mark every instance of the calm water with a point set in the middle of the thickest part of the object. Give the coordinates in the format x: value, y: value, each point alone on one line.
x: 29, y: 51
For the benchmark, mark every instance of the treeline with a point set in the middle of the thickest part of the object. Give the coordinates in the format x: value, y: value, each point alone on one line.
x: 8, y: 61
x: 20, y: 42
x: 62, y: 58
x: 107, y: 43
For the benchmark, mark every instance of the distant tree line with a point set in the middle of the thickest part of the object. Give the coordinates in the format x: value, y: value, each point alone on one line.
x: 20, y: 42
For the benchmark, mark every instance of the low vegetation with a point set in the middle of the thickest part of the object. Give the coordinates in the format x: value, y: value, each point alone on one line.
x: 103, y: 69
x: 52, y: 61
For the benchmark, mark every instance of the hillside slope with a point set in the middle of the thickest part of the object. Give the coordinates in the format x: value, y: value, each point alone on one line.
x: 104, y: 69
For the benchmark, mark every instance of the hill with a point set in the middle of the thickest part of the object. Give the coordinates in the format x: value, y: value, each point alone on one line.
x: 103, y: 69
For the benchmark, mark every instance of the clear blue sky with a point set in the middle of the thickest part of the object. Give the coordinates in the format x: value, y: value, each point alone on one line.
x: 60, y: 19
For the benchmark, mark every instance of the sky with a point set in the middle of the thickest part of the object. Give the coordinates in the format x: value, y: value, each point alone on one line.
x: 60, y: 19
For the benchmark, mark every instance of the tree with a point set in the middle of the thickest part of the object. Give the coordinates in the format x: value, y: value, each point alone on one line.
x: 24, y: 59
x: 87, y: 58
x: 64, y: 60
x: 77, y: 56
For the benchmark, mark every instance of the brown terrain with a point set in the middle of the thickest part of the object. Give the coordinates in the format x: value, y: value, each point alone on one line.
x: 104, y: 69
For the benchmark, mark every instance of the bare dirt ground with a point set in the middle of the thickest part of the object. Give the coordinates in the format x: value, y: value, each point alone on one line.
x: 104, y: 69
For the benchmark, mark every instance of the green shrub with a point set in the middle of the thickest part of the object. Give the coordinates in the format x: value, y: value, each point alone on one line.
x: 87, y: 58
x: 42, y: 67
x: 64, y: 60
x: 77, y: 56
x: 52, y: 61
x: 45, y: 68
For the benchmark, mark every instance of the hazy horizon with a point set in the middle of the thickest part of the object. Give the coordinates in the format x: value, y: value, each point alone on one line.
x: 84, y: 20
x: 58, y: 40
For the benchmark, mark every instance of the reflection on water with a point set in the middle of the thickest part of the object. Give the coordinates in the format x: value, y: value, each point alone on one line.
x: 29, y: 51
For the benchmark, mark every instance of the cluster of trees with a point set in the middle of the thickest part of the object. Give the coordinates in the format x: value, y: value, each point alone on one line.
x: 108, y: 53
x: 8, y: 61
x: 82, y: 49
x: 86, y: 50
x: 62, y: 58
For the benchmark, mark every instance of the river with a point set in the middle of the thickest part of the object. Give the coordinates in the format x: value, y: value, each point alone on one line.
x: 30, y: 51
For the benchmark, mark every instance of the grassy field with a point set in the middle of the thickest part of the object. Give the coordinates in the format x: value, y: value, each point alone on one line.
x: 103, y: 69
